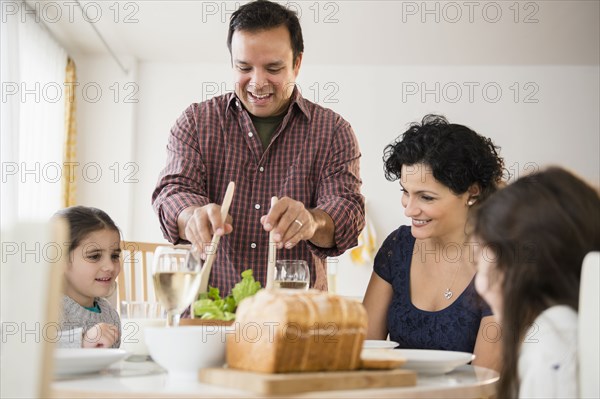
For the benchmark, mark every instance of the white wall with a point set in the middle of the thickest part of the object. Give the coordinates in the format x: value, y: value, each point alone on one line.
x: 554, y: 120
x: 106, y: 111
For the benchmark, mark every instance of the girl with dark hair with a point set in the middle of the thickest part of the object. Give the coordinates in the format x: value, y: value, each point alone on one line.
x: 94, y: 262
x: 532, y: 237
x: 422, y: 290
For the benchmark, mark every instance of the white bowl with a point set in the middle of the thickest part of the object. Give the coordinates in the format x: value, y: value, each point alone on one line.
x: 85, y: 360
x: 184, y: 350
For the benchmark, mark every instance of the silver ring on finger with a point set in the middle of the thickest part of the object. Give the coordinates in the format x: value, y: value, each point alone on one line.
x: 299, y: 223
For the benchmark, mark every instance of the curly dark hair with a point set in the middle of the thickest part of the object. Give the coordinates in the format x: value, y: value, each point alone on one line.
x: 458, y: 156
x: 262, y: 14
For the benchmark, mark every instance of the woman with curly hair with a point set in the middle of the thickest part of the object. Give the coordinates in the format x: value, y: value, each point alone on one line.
x: 422, y: 290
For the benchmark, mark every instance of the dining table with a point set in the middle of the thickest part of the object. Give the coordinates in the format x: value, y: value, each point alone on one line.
x: 146, y: 379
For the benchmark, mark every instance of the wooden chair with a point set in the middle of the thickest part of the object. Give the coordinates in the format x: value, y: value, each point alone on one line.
x: 135, y: 280
x: 589, y: 327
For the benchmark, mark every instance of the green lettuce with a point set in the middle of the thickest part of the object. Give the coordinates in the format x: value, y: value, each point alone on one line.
x: 210, y: 305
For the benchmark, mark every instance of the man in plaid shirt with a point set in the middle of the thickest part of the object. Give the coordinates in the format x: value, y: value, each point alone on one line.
x: 270, y: 141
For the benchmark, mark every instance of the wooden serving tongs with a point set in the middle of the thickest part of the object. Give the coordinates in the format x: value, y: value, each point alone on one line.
x: 271, y: 261
x: 205, y: 272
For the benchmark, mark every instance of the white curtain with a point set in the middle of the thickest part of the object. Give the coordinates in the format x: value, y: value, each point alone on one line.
x: 32, y: 122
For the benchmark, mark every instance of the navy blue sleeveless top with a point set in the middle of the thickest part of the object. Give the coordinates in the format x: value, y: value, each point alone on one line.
x: 453, y: 328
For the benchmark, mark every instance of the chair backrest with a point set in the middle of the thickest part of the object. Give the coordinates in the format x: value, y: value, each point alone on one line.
x: 33, y: 262
x: 135, y: 280
x: 589, y: 327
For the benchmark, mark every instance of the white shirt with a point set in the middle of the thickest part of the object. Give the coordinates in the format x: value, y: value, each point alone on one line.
x: 548, y: 358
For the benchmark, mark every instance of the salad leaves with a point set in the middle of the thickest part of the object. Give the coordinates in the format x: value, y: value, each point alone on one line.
x: 212, y: 306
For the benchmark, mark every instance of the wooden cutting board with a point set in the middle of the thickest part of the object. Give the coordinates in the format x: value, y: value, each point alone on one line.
x: 290, y: 383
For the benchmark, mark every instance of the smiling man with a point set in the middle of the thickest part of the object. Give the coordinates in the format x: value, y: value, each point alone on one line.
x: 271, y: 142
x: 265, y: 69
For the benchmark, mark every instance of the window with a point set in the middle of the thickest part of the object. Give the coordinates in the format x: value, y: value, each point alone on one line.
x: 32, y: 122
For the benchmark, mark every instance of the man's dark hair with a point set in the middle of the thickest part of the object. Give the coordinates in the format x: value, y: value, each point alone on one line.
x: 261, y: 15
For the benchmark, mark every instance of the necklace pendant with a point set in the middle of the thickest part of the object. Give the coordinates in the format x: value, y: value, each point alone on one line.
x: 448, y: 294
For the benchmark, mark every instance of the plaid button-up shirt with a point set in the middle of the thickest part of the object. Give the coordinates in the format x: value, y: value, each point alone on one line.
x: 313, y: 157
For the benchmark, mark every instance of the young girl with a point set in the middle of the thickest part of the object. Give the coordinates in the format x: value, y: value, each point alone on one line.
x: 532, y: 237
x: 88, y: 320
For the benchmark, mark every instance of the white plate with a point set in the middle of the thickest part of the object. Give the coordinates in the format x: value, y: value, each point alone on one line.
x: 433, y: 361
x: 79, y: 360
x: 379, y: 344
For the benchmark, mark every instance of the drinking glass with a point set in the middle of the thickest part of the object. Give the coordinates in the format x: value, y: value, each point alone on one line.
x: 176, y: 277
x: 291, y: 274
x: 136, y: 316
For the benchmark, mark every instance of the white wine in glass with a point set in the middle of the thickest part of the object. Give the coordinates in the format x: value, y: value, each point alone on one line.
x: 176, y: 277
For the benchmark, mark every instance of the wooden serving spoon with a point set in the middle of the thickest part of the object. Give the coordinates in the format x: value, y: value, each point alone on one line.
x: 205, y: 272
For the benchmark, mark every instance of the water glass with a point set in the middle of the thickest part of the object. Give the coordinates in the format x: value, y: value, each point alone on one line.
x: 136, y: 316
x: 292, y: 274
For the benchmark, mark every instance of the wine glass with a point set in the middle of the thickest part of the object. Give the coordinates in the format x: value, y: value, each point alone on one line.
x: 291, y: 274
x: 176, y: 277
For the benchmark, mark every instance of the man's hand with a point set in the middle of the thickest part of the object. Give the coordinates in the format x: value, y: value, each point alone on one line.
x: 291, y: 223
x: 199, y: 224
x: 101, y: 335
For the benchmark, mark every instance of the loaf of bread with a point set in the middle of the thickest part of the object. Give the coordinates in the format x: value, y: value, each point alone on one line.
x: 279, y: 331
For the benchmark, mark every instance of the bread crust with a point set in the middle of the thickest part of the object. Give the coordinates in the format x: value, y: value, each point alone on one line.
x: 279, y: 331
